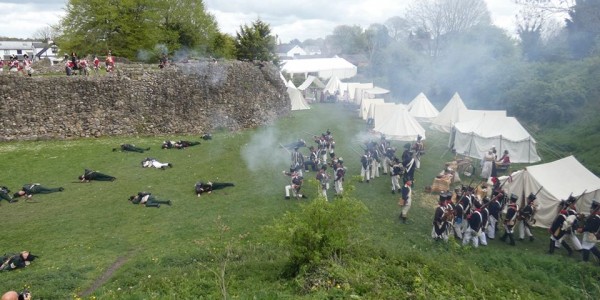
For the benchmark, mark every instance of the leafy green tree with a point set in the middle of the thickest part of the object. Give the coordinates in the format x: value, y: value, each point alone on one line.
x: 347, y: 40
x: 256, y: 42
x: 583, y: 27
x: 129, y: 26
x: 92, y: 26
x: 223, y: 46
x: 186, y: 24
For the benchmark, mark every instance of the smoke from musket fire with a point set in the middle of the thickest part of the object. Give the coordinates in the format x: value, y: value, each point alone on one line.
x: 264, y: 151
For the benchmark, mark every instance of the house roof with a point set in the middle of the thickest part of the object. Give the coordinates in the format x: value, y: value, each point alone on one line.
x: 16, y: 45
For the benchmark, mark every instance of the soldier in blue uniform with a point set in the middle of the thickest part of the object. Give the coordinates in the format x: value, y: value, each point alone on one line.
x: 511, y: 219
x: 526, y: 216
x: 591, y: 233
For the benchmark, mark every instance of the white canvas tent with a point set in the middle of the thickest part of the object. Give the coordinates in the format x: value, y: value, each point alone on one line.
x: 297, y: 100
x: 353, y: 87
x: 449, y: 114
x: 310, y: 80
x: 333, y: 85
x: 324, y: 67
x: 364, y: 107
x: 472, y: 114
x: 369, y: 93
x: 379, y: 111
x: 421, y: 109
x: 398, y: 125
x: 475, y: 137
x: 557, y: 180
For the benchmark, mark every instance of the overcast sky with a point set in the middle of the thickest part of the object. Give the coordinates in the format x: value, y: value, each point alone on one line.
x: 288, y: 19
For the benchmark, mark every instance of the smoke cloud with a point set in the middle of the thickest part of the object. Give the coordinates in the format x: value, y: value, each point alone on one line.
x: 264, y: 151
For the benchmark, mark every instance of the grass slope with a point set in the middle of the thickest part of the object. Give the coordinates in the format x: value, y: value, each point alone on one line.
x: 94, y: 243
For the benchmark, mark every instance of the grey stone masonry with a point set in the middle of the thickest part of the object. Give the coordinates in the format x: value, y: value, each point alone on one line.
x: 185, y: 98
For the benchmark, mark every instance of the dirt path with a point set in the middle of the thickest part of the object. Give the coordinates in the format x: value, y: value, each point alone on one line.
x: 105, y: 276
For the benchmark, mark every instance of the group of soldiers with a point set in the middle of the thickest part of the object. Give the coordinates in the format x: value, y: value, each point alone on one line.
x: 15, y: 66
x: 473, y: 216
x: 380, y: 157
x: 321, y: 157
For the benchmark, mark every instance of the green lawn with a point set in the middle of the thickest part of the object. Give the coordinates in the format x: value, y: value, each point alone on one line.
x: 93, y: 242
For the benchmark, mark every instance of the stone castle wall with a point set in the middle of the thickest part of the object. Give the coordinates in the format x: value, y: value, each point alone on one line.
x: 190, y: 98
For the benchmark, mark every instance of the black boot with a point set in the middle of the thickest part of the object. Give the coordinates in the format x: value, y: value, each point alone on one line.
x: 585, y: 254
x: 503, y: 238
x: 531, y: 238
x: 596, y: 252
x: 551, y: 249
x: 567, y: 247
x: 512, y: 239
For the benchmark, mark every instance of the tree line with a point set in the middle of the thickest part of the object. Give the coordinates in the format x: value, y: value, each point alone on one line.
x: 144, y: 30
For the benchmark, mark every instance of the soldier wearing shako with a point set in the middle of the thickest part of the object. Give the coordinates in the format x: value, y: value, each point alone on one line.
x: 572, y: 219
x: 494, y: 209
x: 474, y: 228
x: 396, y: 170
x: 560, y: 226
x: 440, y: 220
x: 510, y: 219
x: 405, y: 201
x: 296, y: 181
x: 323, y: 179
x: 366, y: 162
x: 526, y: 217
x: 591, y: 233
x: 340, y: 172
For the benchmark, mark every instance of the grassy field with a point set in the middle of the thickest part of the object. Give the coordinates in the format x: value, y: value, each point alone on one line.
x: 93, y: 243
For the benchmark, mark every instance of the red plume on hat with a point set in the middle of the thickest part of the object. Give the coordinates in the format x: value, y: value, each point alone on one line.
x: 494, y: 180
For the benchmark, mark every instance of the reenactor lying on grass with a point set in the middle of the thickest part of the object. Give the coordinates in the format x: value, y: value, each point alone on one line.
x: 148, y: 199
x: 89, y: 175
x: 5, y: 194
x: 151, y: 162
x: 178, y: 144
x: 208, y: 187
x: 35, y: 188
x: 131, y: 148
x: 16, y: 261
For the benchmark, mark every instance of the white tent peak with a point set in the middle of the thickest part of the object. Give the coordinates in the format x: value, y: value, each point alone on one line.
x: 449, y: 114
x: 297, y: 100
x: 422, y: 109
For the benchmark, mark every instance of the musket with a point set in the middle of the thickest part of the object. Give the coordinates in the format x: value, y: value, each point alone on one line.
x: 286, y: 149
x: 581, y: 196
x: 538, y: 191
